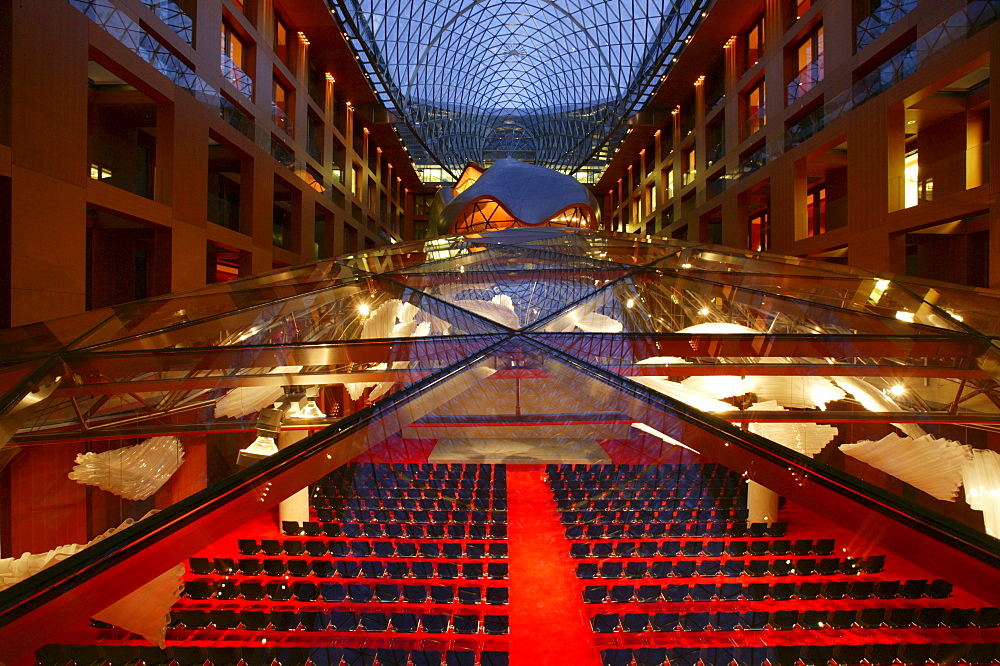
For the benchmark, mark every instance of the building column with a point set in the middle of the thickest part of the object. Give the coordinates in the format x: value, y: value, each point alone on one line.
x: 295, y: 507
x: 762, y: 503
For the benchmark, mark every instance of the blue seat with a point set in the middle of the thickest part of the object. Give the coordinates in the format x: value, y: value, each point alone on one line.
x: 405, y: 623
x: 604, y: 623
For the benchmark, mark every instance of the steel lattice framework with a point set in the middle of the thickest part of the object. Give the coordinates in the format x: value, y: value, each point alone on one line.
x: 546, y: 81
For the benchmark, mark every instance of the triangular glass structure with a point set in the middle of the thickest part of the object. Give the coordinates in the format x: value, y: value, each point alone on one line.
x: 519, y: 346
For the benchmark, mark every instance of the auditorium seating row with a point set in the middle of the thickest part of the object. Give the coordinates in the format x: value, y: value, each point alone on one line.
x: 383, y: 471
x: 666, y: 516
x: 453, y: 500
x: 404, y: 516
x: 356, y: 480
x: 650, y: 504
x: 363, y: 569
x: 659, y: 475
x: 339, y: 620
x: 126, y: 655
x: 787, y: 620
x: 376, y: 530
x: 355, y: 592
x: 697, y: 548
x: 367, y: 548
x: 809, y: 655
x: 677, y: 530
x: 709, y: 495
x: 257, y: 589
x: 828, y: 566
x: 780, y: 591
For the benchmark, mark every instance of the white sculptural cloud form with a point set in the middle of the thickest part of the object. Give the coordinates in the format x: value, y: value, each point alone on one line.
x: 806, y: 438
x: 145, y: 611
x: 133, y: 472
x: 928, y: 463
x: 244, y: 400
x: 982, y: 487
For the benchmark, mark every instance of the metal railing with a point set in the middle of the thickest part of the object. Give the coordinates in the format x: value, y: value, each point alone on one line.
x: 806, y: 80
x: 176, y: 19
x: 236, y: 76
x: 805, y: 128
x: 281, y: 118
x: 755, y: 121
x: 884, y: 17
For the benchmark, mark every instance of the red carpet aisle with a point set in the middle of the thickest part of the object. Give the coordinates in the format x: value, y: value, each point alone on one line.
x: 546, y: 623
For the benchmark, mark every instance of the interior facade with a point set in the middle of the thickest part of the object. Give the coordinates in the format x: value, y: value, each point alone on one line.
x: 626, y: 334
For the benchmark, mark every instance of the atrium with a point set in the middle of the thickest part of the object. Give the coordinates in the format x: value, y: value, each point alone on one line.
x: 514, y: 332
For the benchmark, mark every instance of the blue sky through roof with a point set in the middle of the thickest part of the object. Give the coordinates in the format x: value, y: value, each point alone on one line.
x: 543, y: 80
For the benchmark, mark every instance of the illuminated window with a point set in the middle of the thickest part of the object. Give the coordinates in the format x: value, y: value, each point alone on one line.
x: 810, y: 58
x: 816, y: 209
x: 281, y: 106
x: 756, y: 117
x: 759, y: 230
x: 282, y: 41
x: 754, y: 41
x: 911, y: 180
x: 99, y: 173
x: 689, y: 166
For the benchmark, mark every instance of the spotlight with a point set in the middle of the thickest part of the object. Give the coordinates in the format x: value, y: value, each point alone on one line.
x: 897, y: 389
x: 268, y: 427
x: 311, y: 409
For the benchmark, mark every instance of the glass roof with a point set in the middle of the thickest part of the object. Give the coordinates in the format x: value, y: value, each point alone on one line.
x: 525, y: 345
x: 545, y: 82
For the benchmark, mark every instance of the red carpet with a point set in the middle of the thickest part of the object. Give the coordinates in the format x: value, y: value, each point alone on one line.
x: 547, y: 625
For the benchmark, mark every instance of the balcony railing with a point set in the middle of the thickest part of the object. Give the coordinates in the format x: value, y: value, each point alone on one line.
x: 715, y: 153
x: 755, y: 121
x: 956, y: 28
x: 884, y: 17
x: 806, y: 80
x: 175, y: 18
x: 235, y: 75
x: 120, y: 26
x: 754, y: 161
x: 243, y: 123
x: 224, y: 211
x: 314, y: 151
x: 281, y: 118
x: 805, y: 128
x: 282, y: 153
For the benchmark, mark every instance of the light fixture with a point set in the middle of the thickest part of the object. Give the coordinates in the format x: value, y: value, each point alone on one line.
x: 630, y: 303
x: 364, y: 309
x: 261, y: 447
x: 897, y: 389
x: 311, y: 410
x: 268, y: 427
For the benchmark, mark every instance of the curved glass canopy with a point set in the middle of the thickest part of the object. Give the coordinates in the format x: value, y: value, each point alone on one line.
x: 546, y: 82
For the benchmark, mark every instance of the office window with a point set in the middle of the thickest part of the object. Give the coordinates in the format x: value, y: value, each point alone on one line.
x: 689, y: 166
x: 816, y: 208
x: 809, y: 59
x: 753, y: 41
x: 755, y: 110
x: 281, y: 106
x: 283, y: 45
x: 759, y: 230
x: 235, y: 60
